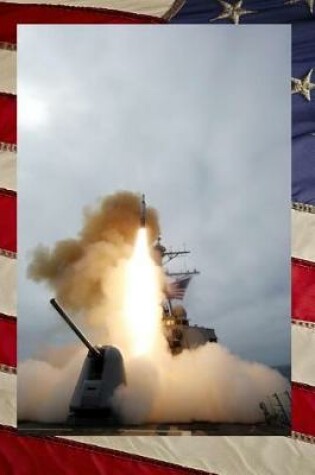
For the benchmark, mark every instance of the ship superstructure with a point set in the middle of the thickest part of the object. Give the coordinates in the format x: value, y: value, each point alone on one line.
x: 179, y: 333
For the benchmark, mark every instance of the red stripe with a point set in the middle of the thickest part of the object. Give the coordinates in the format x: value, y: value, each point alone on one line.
x: 303, y: 409
x: 303, y: 290
x: 7, y: 221
x: 7, y: 116
x: 13, y: 14
x: 30, y: 454
x: 8, y: 341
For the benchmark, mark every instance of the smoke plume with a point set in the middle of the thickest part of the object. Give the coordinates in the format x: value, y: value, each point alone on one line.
x: 87, y: 275
x: 204, y: 384
x: 77, y: 269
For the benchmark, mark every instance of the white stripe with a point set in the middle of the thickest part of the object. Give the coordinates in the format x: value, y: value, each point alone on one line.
x: 303, y: 345
x: 7, y: 71
x: 156, y: 8
x: 303, y: 235
x: 7, y: 399
x: 221, y: 455
x: 8, y: 170
x: 7, y: 285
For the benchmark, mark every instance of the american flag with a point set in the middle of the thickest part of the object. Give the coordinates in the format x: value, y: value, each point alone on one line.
x: 169, y: 455
x: 177, y: 289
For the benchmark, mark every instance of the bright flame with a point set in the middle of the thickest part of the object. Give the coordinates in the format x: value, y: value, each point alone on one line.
x: 141, y: 306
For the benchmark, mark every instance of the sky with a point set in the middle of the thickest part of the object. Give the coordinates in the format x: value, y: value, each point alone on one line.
x: 195, y: 117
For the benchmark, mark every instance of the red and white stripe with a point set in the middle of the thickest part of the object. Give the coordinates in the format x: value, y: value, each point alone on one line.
x: 154, y: 8
x: 154, y: 455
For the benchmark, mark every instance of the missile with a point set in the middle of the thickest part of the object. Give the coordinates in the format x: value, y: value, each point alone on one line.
x: 142, y: 212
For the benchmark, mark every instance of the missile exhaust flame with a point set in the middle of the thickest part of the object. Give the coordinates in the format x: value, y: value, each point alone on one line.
x: 142, y: 312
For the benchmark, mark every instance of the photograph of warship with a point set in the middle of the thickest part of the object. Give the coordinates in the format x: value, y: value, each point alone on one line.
x: 103, y: 370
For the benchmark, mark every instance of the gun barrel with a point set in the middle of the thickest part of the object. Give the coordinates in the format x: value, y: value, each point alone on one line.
x: 73, y: 327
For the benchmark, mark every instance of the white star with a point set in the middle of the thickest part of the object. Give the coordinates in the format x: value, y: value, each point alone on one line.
x: 303, y: 86
x: 232, y: 11
x: 310, y: 3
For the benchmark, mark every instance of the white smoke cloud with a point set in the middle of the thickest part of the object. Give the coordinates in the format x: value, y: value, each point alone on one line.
x: 204, y: 384
x: 45, y: 390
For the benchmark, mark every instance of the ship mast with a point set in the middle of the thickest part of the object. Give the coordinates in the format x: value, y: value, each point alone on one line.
x: 168, y: 255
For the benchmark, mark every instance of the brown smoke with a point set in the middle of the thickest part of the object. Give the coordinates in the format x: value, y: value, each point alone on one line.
x: 76, y: 269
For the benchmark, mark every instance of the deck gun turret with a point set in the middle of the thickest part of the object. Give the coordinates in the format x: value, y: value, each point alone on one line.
x: 101, y: 374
